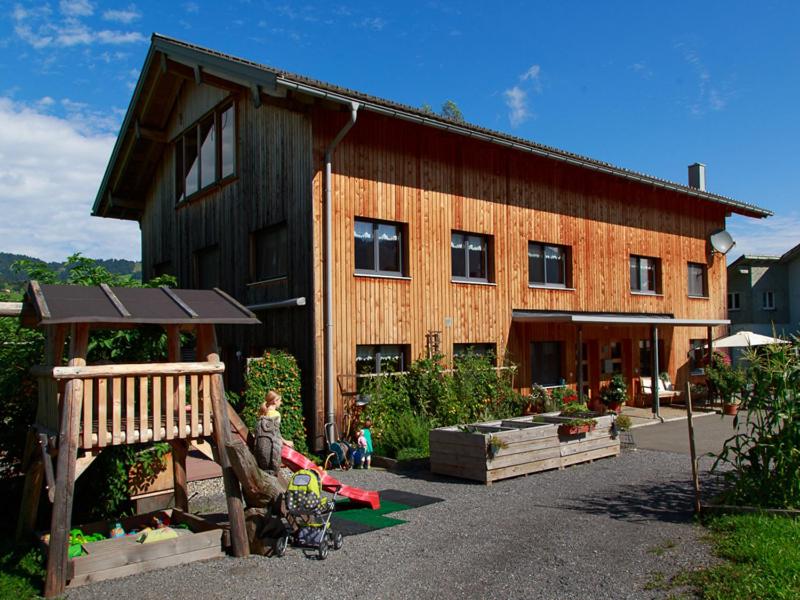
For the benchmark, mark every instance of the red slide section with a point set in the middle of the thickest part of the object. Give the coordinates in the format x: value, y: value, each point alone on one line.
x: 295, y: 461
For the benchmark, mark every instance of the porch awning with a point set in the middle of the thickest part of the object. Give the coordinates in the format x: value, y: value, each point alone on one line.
x: 547, y: 316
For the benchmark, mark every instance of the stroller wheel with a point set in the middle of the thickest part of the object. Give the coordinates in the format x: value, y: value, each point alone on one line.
x: 322, y: 551
x: 338, y: 540
x: 280, y: 545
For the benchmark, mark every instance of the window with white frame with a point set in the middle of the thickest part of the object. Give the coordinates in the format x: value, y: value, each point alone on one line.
x: 697, y: 280
x: 734, y: 301
x: 548, y: 265
x: 645, y: 274
x: 768, y: 300
x: 379, y: 358
x: 205, y: 152
x: 470, y: 257
x: 379, y: 247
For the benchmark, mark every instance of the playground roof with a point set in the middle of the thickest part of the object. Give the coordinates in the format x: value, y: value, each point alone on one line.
x: 47, y: 304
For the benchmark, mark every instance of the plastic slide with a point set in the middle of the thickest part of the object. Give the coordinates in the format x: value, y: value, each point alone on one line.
x: 295, y: 461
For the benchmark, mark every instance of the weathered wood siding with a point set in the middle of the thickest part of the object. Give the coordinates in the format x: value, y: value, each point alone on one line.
x: 272, y: 186
x: 435, y: 182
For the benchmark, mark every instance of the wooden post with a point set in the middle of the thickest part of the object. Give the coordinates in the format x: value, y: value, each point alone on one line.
x: 180, y: 447
x: 207, y: 346
x: 56, y: 578
x: 692, y: 452
x: 47, y: 415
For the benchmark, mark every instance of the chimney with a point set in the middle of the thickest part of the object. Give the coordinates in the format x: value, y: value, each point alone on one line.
x: 697, y: 176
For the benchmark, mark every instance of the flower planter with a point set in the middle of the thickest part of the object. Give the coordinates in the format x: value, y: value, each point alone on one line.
x: 567, y: 430
x: 494, y: 450
x: 730, y: 409
x: 614, y: 406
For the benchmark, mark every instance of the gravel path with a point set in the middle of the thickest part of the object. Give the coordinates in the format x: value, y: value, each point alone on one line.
x: 601, y: 530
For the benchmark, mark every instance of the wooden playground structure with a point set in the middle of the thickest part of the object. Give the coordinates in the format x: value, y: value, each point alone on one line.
x: 83, y: 409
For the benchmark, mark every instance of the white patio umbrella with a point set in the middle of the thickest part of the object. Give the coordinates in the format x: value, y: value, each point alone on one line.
x: 744, y: 339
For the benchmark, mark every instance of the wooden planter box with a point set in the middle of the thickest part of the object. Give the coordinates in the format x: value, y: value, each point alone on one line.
x: 567, y: 430
x: 118, y: 557
x: 521, y: 446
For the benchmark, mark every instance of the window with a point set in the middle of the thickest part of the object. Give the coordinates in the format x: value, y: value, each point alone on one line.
x: 548, y: 265
x: 733, y: 301
x: 379, y: 247
x: 644, y: 274
x: 470, y: 257
x: 646, y: 357
x: 697, y: 280
x: 379, y: 359
x: 206, y: 268
x: 546, y: 363
x: 460, y: 350
x: 697, y: 354
x: 768, y: 300
x: 269, y: 253
x: 204, y: 153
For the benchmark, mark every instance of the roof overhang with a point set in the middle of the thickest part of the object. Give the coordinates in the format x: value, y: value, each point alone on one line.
x: 537, y: 316
x: 169, y: 62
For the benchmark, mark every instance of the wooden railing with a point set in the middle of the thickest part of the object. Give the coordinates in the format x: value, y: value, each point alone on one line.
x: 136, y: 403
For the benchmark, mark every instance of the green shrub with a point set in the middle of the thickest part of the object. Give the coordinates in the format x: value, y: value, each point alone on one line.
x: 426, y: 384
x: 276, y: 370
x: 412, y: 453
x: 761, y: 459
x: 615, y: 392
x: 406, y: 430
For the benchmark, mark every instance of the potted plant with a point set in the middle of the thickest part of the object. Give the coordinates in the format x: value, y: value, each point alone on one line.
x: 727, y: 381
x: 563, y: 395
x: 538, y: 400
x: 730, y: 408
x: 576, y: 427
x: 615, y: 393
x: 575, y: 409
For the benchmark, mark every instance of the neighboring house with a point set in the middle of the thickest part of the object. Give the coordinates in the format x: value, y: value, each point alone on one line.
x: 764, y: 293
x: 433, y: 233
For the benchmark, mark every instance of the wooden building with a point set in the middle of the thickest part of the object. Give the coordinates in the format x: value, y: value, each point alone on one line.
x: 360, y: 230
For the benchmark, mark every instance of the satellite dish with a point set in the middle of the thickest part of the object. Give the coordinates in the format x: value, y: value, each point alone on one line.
x: 721, y: 241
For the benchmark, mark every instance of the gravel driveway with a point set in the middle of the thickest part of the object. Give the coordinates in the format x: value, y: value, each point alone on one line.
x: 601, y: 530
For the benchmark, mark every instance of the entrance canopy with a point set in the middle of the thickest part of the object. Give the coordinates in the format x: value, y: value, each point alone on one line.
x: 547, y: 316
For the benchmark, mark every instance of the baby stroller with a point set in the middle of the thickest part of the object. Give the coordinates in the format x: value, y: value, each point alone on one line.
x: 309, y: 515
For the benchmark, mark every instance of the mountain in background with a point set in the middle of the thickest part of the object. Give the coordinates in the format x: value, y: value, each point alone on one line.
x: 9, y: 280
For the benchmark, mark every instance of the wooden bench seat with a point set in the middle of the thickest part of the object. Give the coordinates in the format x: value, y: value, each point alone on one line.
x: 664, y: 393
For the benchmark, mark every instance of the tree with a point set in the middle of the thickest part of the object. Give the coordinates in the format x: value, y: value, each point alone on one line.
x: 451, y: 111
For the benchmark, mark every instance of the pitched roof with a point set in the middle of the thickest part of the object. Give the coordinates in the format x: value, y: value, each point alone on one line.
x: 47, y: 304
x: 261, y: 78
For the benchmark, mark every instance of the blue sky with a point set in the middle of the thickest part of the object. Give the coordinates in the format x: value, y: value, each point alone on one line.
x: 650, y: 86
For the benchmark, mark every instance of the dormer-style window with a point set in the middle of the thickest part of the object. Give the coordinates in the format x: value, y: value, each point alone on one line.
x: 205, y: 153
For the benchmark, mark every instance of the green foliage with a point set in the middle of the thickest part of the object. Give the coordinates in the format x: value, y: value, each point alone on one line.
x: 616, y: 392
x: 21, y: 571
x: 407, y: 430
x: 575, y: 408
x: 725, y: 380
x: 563, y: 395
x: 624, y: 422
x: 412, y: 453
x: 474, y: 391
x: 542, y: 401
x: 762, y: 555
x: 579, y: 422
x: 106, y: 486
x: 762, y: 459
x: 276, y: 370
x: 450, y: 110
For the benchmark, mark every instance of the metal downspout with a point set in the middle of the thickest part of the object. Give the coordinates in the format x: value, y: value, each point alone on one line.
x: 328, y: 259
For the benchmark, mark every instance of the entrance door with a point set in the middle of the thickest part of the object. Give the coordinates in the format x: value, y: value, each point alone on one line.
x: 590, y: 372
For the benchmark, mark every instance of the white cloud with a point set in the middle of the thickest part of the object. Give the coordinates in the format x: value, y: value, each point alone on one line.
x: 517, y: 102
x: 76, y: 8
x: 191, y: 7
x: 771, y: 236
x: 708, y: 96
x: 41, y: 30
x: 516, y: 97
x: 50, y: 170
x: 374, y: 23
x: 126, y: 16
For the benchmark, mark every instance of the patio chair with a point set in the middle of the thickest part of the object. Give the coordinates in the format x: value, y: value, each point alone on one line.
x: 666, y: 391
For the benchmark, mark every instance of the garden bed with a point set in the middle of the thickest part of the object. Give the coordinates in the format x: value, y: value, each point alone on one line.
x: 118, y: 557
x: 496, y: 450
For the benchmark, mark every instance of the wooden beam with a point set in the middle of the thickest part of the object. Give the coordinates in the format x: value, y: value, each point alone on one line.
x: 198, y: 74
x: 57, y: 560
x: 255, y: 95
x: 124, y: 203
x: 177, y: 300
x: 114, y: 300
x: 207, y: 346
x: 38, y: 296
x: 10, y: 309
x: 149, y: 134
x: 96, y: 371
x: 187, y: 72
x: 180, y: 448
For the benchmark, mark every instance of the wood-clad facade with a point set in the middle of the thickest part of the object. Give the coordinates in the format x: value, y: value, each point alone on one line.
x: 428, y: 183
